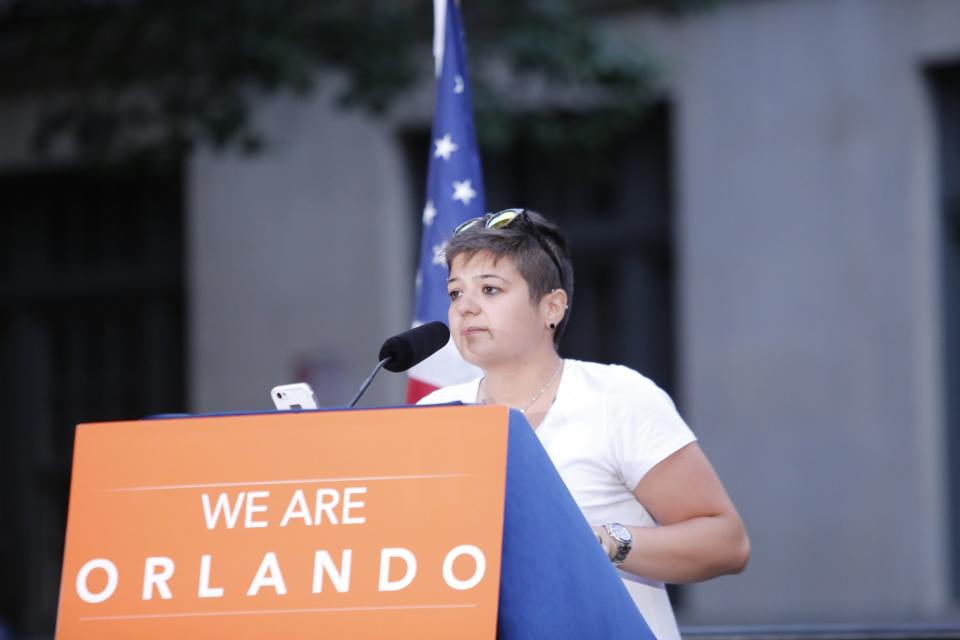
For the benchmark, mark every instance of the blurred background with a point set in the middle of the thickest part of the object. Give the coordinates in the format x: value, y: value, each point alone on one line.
x: 200, y: 200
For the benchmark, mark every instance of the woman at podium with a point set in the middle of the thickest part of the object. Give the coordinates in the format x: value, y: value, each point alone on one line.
x: 630, y: 461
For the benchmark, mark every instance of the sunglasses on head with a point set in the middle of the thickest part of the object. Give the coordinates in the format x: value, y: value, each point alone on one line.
x: 505, y: 218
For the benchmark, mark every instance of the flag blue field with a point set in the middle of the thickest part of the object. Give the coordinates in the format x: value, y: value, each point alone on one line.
x: 454, y: 194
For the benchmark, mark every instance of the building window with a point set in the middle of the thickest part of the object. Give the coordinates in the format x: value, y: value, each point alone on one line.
x: 614, y: 202
x: 944, y: 82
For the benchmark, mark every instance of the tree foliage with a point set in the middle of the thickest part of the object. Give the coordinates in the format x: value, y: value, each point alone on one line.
x: 122, y: 79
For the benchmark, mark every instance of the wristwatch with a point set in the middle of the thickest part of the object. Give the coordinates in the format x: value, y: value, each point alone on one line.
x: 620, y: 535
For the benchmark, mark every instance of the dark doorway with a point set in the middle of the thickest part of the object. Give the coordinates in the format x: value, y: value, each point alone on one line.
x: 614, y: 201
x: 91, y: 329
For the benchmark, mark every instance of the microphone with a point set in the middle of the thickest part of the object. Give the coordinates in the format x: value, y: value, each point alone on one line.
x: 407, y: 349
x: 412, y: 347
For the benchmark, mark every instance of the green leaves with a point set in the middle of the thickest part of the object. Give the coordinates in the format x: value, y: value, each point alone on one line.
x: 122, y: 80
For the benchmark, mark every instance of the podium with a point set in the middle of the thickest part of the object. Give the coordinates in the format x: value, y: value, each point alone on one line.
x: 417, y: 522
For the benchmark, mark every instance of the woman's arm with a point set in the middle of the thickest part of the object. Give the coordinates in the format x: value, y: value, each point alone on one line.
x: 700, y: 536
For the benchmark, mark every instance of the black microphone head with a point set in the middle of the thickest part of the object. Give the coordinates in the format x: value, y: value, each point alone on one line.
x: 411, y: 347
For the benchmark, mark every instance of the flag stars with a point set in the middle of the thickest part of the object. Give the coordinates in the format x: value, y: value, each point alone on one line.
x: 463, y: 191
x: 440, y: 253
x: 445, y: 147
x: 429, y: 213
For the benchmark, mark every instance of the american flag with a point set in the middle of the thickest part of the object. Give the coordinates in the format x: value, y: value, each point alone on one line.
x: 454, y: 194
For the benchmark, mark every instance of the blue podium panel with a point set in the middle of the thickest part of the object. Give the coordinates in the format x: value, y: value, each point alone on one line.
x: 555, y: 581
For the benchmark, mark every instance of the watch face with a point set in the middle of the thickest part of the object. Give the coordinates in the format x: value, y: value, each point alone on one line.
x: 620, y: 532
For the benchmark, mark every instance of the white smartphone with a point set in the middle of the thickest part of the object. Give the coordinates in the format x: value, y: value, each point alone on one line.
x: 298, y: 395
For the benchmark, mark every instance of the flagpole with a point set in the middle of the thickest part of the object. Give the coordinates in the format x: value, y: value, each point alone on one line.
x: 439, y: 29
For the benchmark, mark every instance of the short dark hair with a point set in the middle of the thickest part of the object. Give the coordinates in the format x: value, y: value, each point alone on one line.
x: 516, y: 241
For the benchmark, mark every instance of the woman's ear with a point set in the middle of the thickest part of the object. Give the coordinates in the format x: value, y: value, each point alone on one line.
x: 554, y: 307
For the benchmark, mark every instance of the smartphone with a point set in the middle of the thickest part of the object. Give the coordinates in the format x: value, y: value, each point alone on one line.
x: 298, y: 395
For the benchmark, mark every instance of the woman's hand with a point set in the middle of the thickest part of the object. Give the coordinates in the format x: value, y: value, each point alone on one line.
x: 605, y: 540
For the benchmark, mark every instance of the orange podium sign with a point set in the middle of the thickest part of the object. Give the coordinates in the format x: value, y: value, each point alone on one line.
x: 360, y: 524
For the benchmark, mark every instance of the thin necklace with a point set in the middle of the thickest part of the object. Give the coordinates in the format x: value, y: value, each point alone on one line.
x: 529, y: 404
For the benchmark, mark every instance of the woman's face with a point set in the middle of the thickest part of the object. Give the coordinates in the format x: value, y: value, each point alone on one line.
x: 491, y: 316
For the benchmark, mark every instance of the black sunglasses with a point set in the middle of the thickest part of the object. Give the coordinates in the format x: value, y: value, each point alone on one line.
x: 505, y: 218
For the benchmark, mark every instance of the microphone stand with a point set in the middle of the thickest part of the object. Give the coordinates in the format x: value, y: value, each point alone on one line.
x: 366, y: 383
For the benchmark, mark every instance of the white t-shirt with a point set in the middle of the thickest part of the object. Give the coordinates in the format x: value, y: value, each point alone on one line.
x: 607, y: 428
